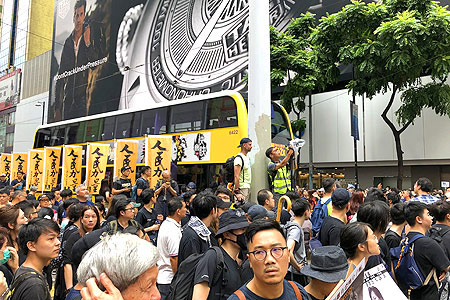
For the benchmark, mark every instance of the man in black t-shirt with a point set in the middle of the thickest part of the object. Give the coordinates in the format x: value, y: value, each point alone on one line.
x: 39, y: 241
x: 440, y: 210
x: 196, y: 237
x: 427, y: 252
x: 165, y: 190
x: 18, y: 183
x: 122, y: 186
x: 232, y: 227
x: 142, y: 183
x: 332, y: 225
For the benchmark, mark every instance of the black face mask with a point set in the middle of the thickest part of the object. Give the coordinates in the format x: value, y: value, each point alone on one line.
x: 241, y: 241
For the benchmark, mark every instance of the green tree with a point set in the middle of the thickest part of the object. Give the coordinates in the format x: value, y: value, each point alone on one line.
x: 391, y: 46
x: 293, y: 57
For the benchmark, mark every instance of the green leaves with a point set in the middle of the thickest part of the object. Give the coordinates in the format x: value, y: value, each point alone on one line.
x: 393, y: 43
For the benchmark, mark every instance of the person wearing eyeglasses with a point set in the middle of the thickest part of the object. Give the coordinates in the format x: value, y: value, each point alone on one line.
x: 269, y: 258
x: 125, y: 212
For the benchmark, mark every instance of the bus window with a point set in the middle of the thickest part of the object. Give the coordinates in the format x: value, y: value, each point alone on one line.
x: 221, y: 113
x: 57, y: 136
x: 136, y: 124
x: 71, y: 133
x: 187, y: 117
x: 42, y: 138
x: 154, y: 121
x: 94, y: 128
x: 280, y: 129
x: 81, y: 133
x: 109, y: 126
x: 127, y: 125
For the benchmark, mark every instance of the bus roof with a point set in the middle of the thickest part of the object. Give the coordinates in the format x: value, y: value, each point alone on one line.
x: 150, y: 106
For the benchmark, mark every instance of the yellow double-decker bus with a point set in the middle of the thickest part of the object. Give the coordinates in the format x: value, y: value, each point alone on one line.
x: 205, y: 130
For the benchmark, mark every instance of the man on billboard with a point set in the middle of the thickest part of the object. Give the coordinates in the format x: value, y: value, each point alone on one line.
x: 79, y: 50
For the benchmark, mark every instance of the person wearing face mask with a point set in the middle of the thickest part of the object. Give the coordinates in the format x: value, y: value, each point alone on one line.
x: 232, y: 227
x: 8, y: 261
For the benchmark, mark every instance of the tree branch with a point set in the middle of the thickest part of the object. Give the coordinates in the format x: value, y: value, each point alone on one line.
x: 386, y: 110
x: 404, y: 127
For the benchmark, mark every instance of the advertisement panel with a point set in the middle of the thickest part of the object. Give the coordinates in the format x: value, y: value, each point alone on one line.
x: 84, y: 73
x: 10, y: 89
x: 142, y: 52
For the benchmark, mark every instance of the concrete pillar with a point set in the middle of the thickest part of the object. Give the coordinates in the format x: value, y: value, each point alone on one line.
x: 259, y: 92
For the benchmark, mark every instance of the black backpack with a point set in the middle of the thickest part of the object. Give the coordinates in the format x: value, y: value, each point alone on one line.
x: 228, y: 168
x: 20, y: 279
x: 437, y: 234
x: 182, y: 285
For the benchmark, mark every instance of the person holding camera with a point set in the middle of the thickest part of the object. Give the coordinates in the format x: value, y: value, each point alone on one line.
x: 279, y: 175
x: 165, y: 190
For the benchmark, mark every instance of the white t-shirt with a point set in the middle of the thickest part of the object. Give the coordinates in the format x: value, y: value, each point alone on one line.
x: 169, y: 237
x: 245, y: 177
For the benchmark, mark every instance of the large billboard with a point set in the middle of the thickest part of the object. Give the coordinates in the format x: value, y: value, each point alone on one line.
x: 10, y: 89
x: 85, y: 79
x: 118, y: 54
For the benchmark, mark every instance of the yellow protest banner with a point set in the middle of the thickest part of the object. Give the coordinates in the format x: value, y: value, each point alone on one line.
x: 19, y: 163
x: 52, y: 160
x: 126, y: 156
x: 96, y: 160
x: 158, y: 156
x: 5, y: 165
x: 71, y: 168
x: 35, y: 168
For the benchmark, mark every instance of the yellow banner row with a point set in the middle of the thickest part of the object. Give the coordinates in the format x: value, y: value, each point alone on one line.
x: 43, y: 166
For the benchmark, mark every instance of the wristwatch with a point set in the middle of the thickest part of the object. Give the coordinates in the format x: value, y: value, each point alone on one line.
x: 174, y: 49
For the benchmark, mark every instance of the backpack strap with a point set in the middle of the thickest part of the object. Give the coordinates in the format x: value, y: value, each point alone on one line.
x: 220, y: 264
x: 24, y: 276
x: 240, y: 295
x: 434, y: 275
x: 298, y: 295
x: 327, y: 202
x: 242, y: 167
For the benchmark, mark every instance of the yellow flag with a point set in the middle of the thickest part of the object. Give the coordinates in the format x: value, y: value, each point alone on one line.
x: 5, y: 165
x: 97, y: 158
x: 126, y: 156
x: 52, y: 160
x: 71, y: 168
x: 35, y: 168
x: 19, y: 163
x: 158, y: 156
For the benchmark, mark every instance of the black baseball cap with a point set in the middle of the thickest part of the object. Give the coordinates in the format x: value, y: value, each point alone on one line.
x: 340, y: 197
x: 123, y: 169
x: 244, y: 141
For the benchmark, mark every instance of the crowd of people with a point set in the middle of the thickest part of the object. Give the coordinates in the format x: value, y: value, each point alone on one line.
x: 179, y: 242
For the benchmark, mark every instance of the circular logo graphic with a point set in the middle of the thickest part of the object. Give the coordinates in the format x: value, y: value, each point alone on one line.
x: 183, y: 48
